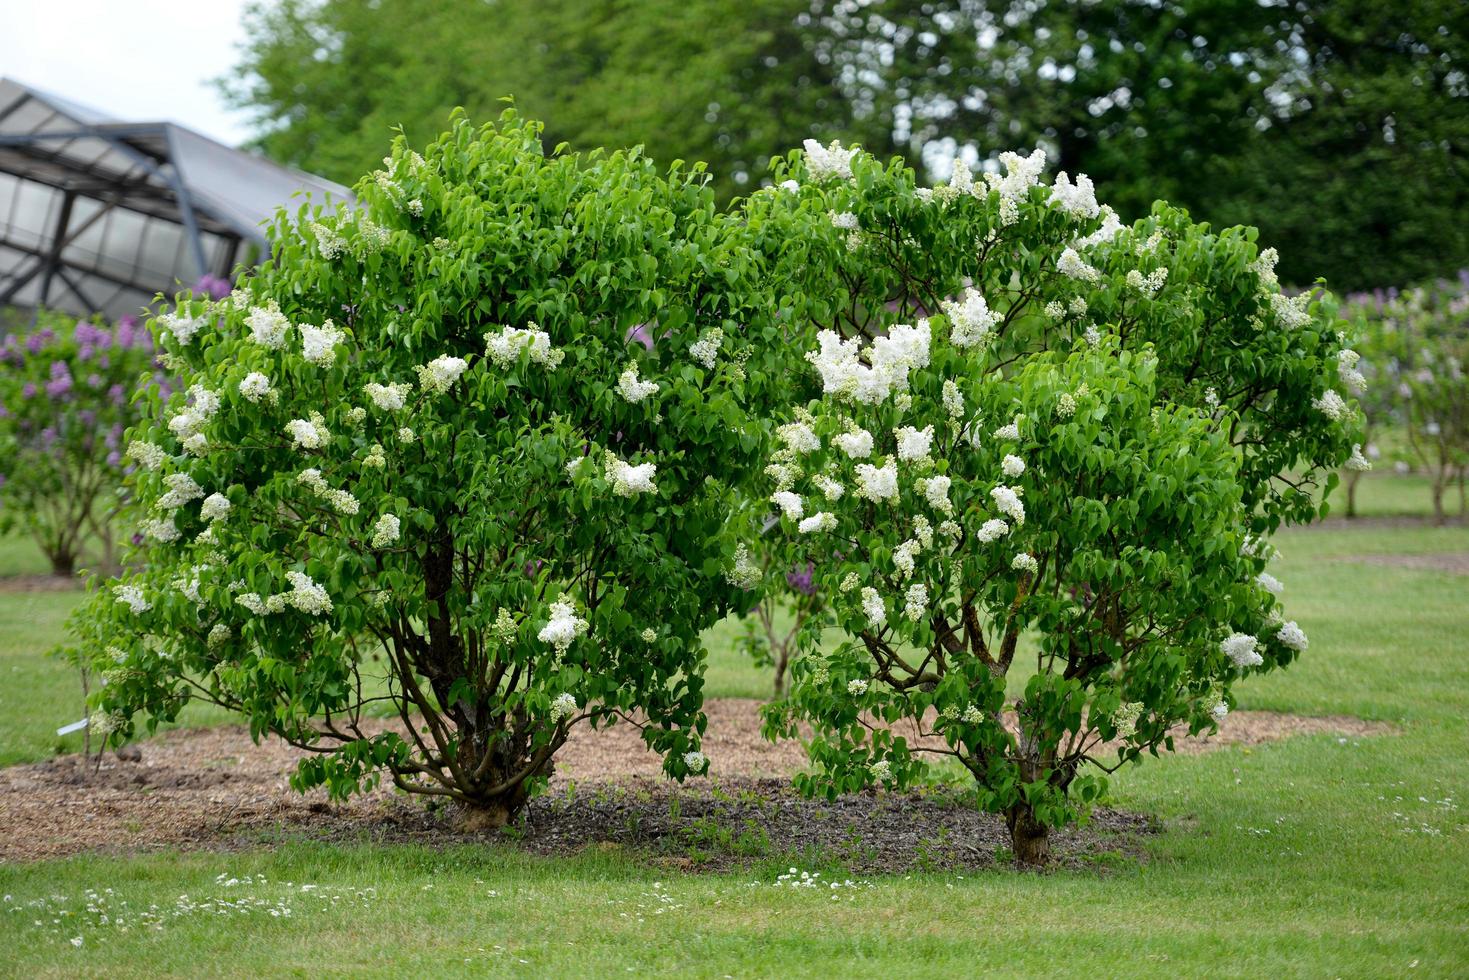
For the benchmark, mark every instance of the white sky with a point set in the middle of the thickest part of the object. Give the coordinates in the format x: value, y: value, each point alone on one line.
x: 139, y: 60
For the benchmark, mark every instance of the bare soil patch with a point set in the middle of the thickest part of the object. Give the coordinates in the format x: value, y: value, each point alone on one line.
x: 213, y: 788
x: 41, y: 583
x: 1455, y: 562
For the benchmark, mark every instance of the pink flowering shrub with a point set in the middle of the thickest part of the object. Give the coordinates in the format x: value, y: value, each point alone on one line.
x: 69, y: 390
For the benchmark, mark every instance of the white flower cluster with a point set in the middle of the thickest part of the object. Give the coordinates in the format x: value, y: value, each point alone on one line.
x: 146, y: 455
x: 1358, y: 462
x: 1240, y: 648
x: 878, y: 483
x: 181, y: 490
x: 438, y: 376
x: 385, y: 531
x: 340, y: 500
x: 705, y: 350
x: 915, y: 601
x: 216, y: 507
x: 268, y: 326
x: 1078, y: 200
x: 308, y: 433
x: 1291, y: 310
x: 562, y: 706
x: 1125, y: 719
x: 632, y: 389
x: 856, y: 443
x: 1071, y: 265
x: 789, y: 503
x: 187, y: 426
x: 914, y: 445
x: 256, y: 387
x: 935, y: 490
x: 389, y: 398
x: 1331, y: 405
x: 873, y: 607
x: 825, y: 162
x: 1346, y: 369
x: 1024, y: 562
x: 970, y: 320
x: 160, y: 529
x: 991, y: 531
x: 504, y: 348
x: 564, y: 626
x: 183, y: 328
x: 798, y: 437
x: 1150, y: 284
x: 1007, y: 502
x: 306, y: 595
x: 889, y: 360
x: 319, y: 344
x: 1269, y: 583
x: 744, y: 573
x: 1292, y: 636
x: 821, y: 521
x: 629, y: 480
x: 132, y: 597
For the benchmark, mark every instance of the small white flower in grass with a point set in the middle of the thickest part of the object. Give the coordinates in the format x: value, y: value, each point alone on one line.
x: 306, y: 595
x: 146, y: 455
x: 1007, y: 501
x: 935, y: 490
x: 857, y: 688
x: 629, y: 480
x: 705, y: 350
x: 915, y: 601
x: 632, y: 389
x: 695, y: 761
x: 438, y: 376
x: 319, y: 344
x: 825, y: 162
x: 992, y: 530
x: 564, y: 626
x: 1012, y: 466
x: 881, y: 770
x: 562, y: 706
x: 744, y: 573
x: 1358, y: 462
x: 823, y: 521
x: 505, y: 347
x: 1292, y: 636
x: 970, y: 319
x: 389, y: 398
x: 798, y: 437
x: 1240, y: 648
x: 1071, y: 265
x: 874, y: 607
x: 268, y: 326
x: 1024, y: 562
x: 181, y: 490
x: 216, y: 507
x: 914, y: 444
x: 789, y: 503
x: 1331, y: 405
x: 1269, y: 583
x: 307, y: 433
x: 1126, y: 717
x: 132, y: 597
x: 385, y: 531
x: 1010, y: 432
x: 857, y: 443
x: 255, y: 387
x: 877, y: 483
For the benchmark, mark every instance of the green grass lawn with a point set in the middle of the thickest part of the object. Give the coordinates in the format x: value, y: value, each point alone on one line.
x: 1310, y: 857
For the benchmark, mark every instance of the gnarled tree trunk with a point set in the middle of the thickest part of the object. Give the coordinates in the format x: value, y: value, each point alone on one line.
x: 1030, y: 839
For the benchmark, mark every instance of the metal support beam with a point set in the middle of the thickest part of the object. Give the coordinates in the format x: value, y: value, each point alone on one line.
x: 58, y: 238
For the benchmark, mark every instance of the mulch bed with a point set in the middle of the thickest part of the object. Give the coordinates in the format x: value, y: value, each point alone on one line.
x: 214, y: 789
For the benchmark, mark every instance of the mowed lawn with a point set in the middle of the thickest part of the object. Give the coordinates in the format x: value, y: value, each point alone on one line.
x: 1315, y: 856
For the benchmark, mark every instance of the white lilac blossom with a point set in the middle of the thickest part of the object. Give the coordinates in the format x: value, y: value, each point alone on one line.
x: 1093, y: 336
x: 903, y: 556
x: 881, y: 770
x: 218, y: 636
x: 798, y: 437
x: 319, y: 344
x: 1215, y: 705
x: 857, y: 688
x: 132, y: 597
x: 935, y: 490
x: 1269, y: 583
x: 268, y: 326
x: 890, y: 358
x: 389, y: 398
x: 970, y: 320
x: 216, y: 507
x: 953, y: 400
x: 1291, y: 310
x: 385, y: 531
x: 181, y: 490
x: 825, y: 162
x: 1331, y: 405
x: 783, y: 474
x: 1012, y: 466
x: 648, y: 635
x: 255, y: 387
x: 849, y: 582
x: 846, y: 221
x: 307, y: 433
x: 695, y: 761
x: 873, y: 608
x: 877, y: 483
x: 505, y: 347
x: 914, y: 444
x: 1358, y: 462
x: 705, y: 350
x: 1024, y: 562
x: 1346, y: 369
x: 822, y: 521
x: 160, y: 529
x: 629, y: 480
x: 182, y: 328
x: 1055, y: 310
x: 922, y: 530
x: 992, y: 530
x: 1150, y: 284
x: 1072, y: 266
x: 915, y: 601
x: 1111, y: 228
x: 1066, y: 405
x: 1007, y: 502
x: 1292, y: 636
x: 356, y: 415
x: 1010, y: 431
x: 375, y: 459
x: 744, y: 573
x: 1078, y: 200
x: 146, y: 455
x: 830, y: 489
x: 562, y: 706
x: 564, y: 626
x: 631, y: 388
x: 856, y: 443
x: 196, y: 444
x: 438, y: 376
x: 951, y: 529
x: 789, y: 503
x: 1125, y: 719
x: 306, y: 596
x: 1240, y: 649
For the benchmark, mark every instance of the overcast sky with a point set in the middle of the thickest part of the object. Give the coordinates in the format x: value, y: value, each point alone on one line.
x: 139, y: 60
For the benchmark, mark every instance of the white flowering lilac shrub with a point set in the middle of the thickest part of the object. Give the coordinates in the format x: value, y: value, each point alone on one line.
x: 480, y: 427
x: 1045, y: 456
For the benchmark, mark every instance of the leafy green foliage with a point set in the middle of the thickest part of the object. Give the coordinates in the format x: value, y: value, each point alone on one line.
x: 410, y: 437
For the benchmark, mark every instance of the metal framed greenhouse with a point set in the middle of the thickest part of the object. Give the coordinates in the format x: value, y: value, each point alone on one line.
x: 99, y: 215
